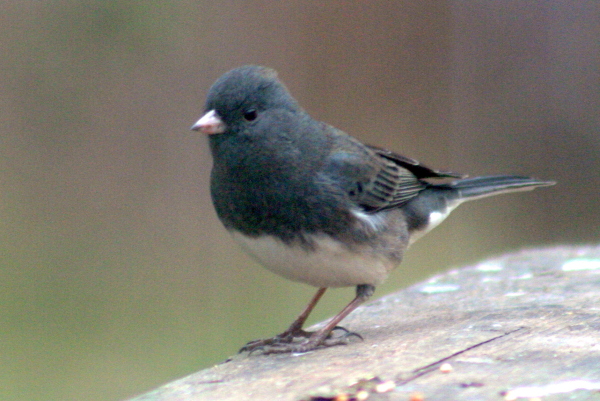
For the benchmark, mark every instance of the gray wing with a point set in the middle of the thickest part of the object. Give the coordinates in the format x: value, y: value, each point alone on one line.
x: 376, y: 178
x: 414, y: 166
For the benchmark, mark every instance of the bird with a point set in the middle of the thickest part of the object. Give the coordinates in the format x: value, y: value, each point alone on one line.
x: 315, y: 205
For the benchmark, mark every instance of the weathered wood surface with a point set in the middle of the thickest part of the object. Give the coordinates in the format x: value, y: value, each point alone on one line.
x: 522, y: 326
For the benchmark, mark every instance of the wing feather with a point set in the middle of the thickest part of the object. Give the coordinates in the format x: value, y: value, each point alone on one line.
x: 377, y: 179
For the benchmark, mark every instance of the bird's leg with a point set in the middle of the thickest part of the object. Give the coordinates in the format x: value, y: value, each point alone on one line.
x: 321, y: 338
x: 295, y: 329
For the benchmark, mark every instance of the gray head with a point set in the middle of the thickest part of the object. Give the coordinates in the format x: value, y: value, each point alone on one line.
x: 240, y: 95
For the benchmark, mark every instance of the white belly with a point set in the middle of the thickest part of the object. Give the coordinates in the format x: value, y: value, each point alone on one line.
x: 330, y: 264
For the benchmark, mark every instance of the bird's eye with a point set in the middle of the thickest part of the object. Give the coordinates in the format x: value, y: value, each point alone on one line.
x: 250, y: 115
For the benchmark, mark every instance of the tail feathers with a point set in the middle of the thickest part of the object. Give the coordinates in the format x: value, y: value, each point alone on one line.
x: 481, y: 187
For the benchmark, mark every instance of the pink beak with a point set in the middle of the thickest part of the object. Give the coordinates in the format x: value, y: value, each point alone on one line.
x: 210, y: 124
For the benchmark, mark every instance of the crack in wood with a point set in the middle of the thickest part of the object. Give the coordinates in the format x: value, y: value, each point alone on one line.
x: 435, y: 365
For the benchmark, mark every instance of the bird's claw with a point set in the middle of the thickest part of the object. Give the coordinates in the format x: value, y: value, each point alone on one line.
x: 283, y: 338
x: 347, y: 333
x: 299, y: 342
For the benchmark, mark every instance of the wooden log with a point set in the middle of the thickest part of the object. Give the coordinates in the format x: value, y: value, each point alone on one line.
x: 525, y: 325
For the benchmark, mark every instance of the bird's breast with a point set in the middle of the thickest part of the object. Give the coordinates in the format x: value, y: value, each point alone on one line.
x: 327, y: 263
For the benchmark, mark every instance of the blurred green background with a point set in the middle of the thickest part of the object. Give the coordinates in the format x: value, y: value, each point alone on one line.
x: 116, y: 275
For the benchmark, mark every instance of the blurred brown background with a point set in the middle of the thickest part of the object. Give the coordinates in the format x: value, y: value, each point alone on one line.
x: 116, y: 275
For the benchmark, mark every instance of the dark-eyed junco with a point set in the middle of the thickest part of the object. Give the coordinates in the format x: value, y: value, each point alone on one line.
x: 315, y: 205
